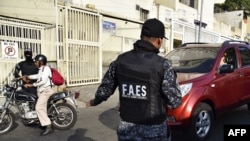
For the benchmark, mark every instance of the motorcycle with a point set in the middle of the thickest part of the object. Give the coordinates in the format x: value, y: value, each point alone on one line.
x: 61, y: 107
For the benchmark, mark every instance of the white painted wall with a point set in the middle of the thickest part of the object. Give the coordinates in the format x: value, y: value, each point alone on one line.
x: 219, y: 1
x: 222, y: 27
x: 122, y: 8
x: 35, y: 10
x: 44, y: 11
x: 233, y: 18
x: 207, y: 10
x: 186, y: 13
x: 168, y: 3
x: 235, y: 21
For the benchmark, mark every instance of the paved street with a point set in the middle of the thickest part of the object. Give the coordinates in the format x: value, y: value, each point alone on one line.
x: 94, y: 123
x: 99, y: 123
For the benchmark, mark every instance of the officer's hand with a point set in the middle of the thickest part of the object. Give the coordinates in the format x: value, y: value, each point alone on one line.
x: 19, y: 78
x: 26, y: 79
x: 28, y: 85
x: 89, y: 103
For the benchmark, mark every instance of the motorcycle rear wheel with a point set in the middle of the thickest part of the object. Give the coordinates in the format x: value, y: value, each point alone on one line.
x: 66, y: 118
x: 7, y: 122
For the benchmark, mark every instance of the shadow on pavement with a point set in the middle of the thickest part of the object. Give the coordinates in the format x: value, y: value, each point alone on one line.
x: 110, y: 118
x: 79, y: 135
x: 14, y: 126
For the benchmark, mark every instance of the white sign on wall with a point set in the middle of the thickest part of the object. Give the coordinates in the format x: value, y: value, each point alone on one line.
x: 9, y: 50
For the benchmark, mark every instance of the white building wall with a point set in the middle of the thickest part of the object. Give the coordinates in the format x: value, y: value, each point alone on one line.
x: 186, y: 14
x: 235, y: 21
x: 219, y: 1
x: 222, y: 27
x: 122, y: 8
x: 248, y: 30
x: 126, y: 32
x: 167, y: 3
x: 207, y: 10
x: 233, y: 18
x: 34, y: 10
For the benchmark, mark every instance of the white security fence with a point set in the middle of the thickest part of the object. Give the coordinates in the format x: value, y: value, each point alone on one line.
x: 72, y: 44
x: 81, y: 40
x: 25, y: 34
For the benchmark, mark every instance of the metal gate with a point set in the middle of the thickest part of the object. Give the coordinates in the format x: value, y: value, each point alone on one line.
x: 80, y: 33
x: 24, y: 34
x: 73, y: 44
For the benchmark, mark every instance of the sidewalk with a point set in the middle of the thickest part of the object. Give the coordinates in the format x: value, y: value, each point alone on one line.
x: 86, y: 93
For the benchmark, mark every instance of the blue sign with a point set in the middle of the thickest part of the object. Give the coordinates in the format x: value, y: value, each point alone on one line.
x: 108, y: 25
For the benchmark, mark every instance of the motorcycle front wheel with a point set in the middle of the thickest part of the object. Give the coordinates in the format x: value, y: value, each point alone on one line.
x: 7, y: 122
x: 64, y: 116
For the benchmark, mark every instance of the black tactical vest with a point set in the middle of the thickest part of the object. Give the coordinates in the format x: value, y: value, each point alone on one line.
x: 140, y: 75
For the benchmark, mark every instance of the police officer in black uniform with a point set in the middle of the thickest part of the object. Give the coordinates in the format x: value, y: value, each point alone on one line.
x: 147, y: 84
x: 27, y: 67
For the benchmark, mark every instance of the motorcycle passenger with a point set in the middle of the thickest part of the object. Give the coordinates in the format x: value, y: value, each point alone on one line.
x: 26, y: 67
x: 45, y: 90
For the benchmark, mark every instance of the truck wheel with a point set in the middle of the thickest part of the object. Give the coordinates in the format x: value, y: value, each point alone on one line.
x: 201, y: 123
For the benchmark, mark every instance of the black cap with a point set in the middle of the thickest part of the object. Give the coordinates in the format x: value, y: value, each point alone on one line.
x: 153, y: 28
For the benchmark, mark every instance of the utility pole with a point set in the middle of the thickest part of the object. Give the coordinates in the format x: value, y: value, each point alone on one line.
x: 201, y: 9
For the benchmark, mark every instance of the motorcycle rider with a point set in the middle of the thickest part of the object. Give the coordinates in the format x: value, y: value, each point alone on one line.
x: 27, y: 67
x: 45, y: 90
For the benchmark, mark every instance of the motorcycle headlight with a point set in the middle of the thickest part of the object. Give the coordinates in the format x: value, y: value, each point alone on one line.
x: 185, y: 88
x: 6, y: 91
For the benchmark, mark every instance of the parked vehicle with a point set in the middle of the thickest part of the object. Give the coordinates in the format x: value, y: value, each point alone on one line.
x: 214, y: 78
x: 61, y: 108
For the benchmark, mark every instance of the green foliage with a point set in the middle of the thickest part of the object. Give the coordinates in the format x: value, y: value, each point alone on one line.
x: 233, y: 5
